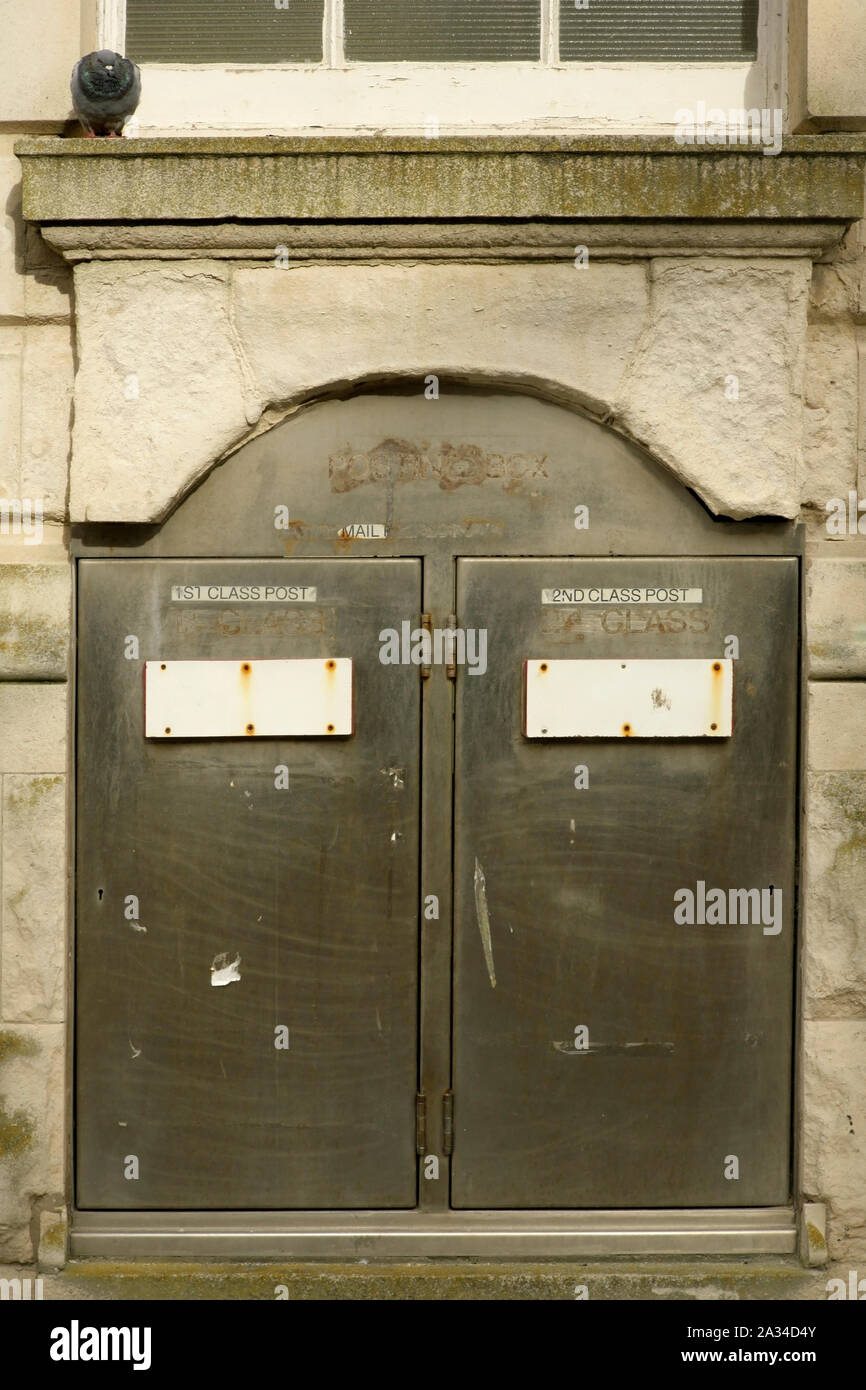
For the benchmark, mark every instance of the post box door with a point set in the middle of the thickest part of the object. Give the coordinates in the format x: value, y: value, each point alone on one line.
x: 613, y: 1046
x: 247, y: 902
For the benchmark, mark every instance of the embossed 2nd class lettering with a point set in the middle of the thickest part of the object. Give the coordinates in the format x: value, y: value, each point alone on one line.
x: 600, y: 595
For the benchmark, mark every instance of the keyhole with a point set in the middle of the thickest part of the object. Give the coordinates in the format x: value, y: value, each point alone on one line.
x: 99, y: 894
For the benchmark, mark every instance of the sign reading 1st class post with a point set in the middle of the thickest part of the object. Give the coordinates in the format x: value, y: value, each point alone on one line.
x: 243, y: 593
x: 600, y: 595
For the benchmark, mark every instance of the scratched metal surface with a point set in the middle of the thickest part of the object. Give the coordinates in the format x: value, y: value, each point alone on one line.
x: 470, y: 474
x: 314, y: 888
x: 565, y: 898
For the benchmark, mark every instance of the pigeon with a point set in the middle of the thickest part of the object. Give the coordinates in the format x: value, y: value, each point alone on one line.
x: 105, y: 91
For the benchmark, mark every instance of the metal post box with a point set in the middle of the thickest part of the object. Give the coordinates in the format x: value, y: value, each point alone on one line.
x: 436, y: 848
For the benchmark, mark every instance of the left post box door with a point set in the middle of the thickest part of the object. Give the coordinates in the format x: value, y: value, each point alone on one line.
x: 247, y: 918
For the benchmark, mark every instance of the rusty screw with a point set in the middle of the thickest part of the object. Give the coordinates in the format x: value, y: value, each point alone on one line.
x: 626, y: 728
x: 168, y: 731
x: 162, y: 667
x: 330, y: 728
x: 331, y: 665
x: 543, y: 666
x: 717, y: 666
x: 714, y: 726
x: 251, y: 728
x: 246, y: 668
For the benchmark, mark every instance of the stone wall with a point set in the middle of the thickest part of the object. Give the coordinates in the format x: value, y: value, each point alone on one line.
x: 834, y: 862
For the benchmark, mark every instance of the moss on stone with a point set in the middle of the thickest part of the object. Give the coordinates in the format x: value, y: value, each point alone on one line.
x: 16, y: 1045
x: 16, y: 1131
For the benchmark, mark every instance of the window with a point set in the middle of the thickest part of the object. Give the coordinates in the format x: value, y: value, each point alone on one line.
x: 441, y: 31
x: 412, y: 66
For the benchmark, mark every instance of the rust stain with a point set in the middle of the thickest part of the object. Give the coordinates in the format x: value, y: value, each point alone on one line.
x: 626, y: 729
x: 716, y: 697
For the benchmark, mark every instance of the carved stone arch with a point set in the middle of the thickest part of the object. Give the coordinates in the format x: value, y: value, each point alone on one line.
x: 180, y: 363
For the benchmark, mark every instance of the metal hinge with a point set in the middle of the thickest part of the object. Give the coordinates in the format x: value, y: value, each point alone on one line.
x: 451, y: 667
x: 427, y: 625
x: 420, y: 1123
x: 448, y: 1122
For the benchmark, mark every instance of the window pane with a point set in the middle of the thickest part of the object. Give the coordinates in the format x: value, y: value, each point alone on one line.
x: 442, y: 31
x: 224, y: 31
x: 658, y: 30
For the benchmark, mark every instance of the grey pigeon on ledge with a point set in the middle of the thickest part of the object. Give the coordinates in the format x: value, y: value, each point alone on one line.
x: 105, y: 91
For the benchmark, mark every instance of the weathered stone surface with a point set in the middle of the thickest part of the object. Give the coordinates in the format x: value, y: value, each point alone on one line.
x: 835, y: 890
x: 11, y: 349
x: 41, y: 41
x: 35, y: 283
x: 207, y: 355
x: 560, y: 328
x: 837, y: 714
x: 834, y: 1130
x: 711, y: 322
x: 11, y: 238
x: 32, y: 945
x: 836, y: 49
x: 813, y: 1234
x: 32, y: 1110
x: 387, y: 176
x: 839, y: 283
x: 48, y: 375
x: 836, y: 617
x: 32, y: 727
x: 53, y: 1236
x: 160, y: 392
x: 830, y: 414
x: 34, y: 621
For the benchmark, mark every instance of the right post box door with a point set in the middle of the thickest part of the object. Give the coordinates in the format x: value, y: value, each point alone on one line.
x: 625, y: 894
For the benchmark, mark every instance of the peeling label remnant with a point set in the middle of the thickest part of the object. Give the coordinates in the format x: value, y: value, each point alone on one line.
x: 396, y: 774
x: 484, y: 921
x: 225, y: 971
x: 660, y: 699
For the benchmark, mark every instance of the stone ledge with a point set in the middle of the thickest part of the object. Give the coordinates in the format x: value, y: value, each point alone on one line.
x: 486, y: 243
x: 374, y: 178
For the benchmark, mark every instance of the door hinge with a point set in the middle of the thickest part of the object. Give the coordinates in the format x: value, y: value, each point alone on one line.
x: 451, y: 666
x: 420, y: 1123
x: 448, y: 1122
x: 427, y: 625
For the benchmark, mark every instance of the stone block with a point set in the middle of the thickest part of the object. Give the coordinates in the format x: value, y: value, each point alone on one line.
x: 161, y: 390
x: 32, y: 1128
x: 834, y: 959
x: 32, y: 727
x: 834, y: 1130
x: 48, y: 376
x: 836, y: 616
x: 33, y: 941
x: 715, y: 386
x: 34, y: 621
x: 831, y: 413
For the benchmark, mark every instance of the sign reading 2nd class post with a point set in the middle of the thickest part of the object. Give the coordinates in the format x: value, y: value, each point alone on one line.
x: 243, y: 593
x: 601, y: 595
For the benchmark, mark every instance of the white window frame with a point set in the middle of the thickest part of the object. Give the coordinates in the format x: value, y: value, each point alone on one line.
x: 548, y: 97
